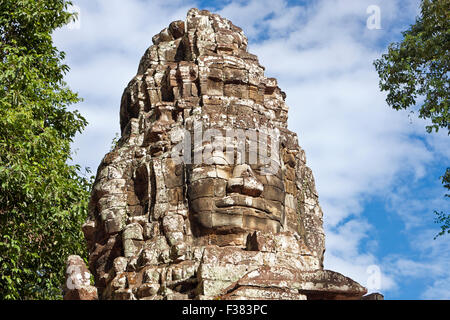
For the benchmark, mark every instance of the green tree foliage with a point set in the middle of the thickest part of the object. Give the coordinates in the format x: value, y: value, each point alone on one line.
x: 418, y: 66
x: 43, y: 199
x: 415, y: 72
x: 442, y: 218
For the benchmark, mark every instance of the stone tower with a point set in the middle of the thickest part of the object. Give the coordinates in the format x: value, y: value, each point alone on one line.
x: 207, y: 194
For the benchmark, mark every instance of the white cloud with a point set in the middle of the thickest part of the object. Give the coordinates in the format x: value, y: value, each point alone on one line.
x: 439, y: 290
x: 430, y: 263
x: 343, y: 254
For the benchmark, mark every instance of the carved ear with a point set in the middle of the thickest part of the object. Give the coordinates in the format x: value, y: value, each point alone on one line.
x: 138, y: 200
x: 124, y: 105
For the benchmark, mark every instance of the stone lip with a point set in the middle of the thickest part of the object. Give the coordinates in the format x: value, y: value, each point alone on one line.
x: 315, y: 285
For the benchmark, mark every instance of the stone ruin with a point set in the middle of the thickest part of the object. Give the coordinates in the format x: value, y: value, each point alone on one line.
x: 224, y: 227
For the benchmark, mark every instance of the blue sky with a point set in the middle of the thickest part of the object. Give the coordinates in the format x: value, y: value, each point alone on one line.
x: 377, y: 171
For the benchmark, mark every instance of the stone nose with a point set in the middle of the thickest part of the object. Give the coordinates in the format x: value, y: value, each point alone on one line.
x: 244, y: 181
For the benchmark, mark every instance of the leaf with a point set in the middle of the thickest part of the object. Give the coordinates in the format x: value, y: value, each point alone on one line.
x: 38, y: 188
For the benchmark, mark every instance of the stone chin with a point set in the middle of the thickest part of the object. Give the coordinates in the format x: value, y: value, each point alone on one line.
x: 232, y: 225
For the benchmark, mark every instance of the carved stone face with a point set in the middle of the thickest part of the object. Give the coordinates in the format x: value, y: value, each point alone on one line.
x: 231, y: 200
x: 152, y: 218
x: 232, y: 195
